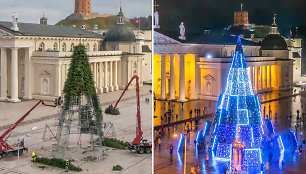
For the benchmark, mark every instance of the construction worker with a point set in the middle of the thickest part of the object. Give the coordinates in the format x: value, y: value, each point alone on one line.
x: 33, y: 156
x: 67, y: 166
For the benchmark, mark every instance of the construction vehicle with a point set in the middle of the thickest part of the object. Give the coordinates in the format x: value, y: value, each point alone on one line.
x: 139, y: 144
x: 5, y: 148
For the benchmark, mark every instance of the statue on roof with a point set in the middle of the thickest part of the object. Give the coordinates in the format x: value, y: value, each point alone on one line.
x: 15, y: 22
x: 156, y: 19
x: 182, y: 31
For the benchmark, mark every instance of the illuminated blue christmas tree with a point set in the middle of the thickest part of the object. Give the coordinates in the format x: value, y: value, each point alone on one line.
x: 238, y: 122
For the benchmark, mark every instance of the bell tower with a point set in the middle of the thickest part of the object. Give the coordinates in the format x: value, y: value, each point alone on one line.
x: 82, y: 7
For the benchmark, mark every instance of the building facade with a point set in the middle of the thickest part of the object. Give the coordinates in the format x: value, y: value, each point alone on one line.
x: 35, y: 60
x: 197, y: 67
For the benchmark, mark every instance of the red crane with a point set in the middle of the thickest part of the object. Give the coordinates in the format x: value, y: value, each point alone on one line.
x: 137, y: 145
x: 138, y: 128
x: 5, y: 148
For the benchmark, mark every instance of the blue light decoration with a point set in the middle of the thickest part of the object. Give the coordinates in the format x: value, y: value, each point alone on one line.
x: 238, y: 122
x: 289, y: 140
x: 252, y: 157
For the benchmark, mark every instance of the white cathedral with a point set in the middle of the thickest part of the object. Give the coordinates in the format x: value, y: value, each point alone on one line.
x: 196, y: 67
x: 35, y: 58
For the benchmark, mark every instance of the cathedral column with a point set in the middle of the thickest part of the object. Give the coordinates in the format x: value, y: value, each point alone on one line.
x: 172, y: 82
x: 270, y: 79
x: 197, y: 77
x: 58, y: 88
x: 265, y: 80
x: 182, y: 78
x: 253, y: 77
x: 3, y: 96
x: 100, y: 78
x: 139, y: 72
x: 163, y: 77
x: 111, y: 87
x: 256, y: 78
x: 260, y: 73
x: 116, y: 87
x: 14, y: 76
x: 193, y: 82
x: 94, y: 72
x: 28, y: 74
x: 250, y: 72
x: 105, y: 77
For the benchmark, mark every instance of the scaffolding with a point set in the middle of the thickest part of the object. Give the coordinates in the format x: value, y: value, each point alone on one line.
x: 77, y: 129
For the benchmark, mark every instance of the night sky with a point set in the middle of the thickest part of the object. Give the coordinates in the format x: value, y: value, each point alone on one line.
x: 198, y: 14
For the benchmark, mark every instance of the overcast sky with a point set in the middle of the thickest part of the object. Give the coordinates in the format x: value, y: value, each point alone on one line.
x: 55, y: 10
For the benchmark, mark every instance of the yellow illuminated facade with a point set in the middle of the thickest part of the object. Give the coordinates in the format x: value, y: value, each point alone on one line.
x: 266, y: 74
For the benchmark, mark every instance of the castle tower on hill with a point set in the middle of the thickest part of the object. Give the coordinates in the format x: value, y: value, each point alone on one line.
x: 82, y: 7
x: 241, y: 17
x: 82, y: 11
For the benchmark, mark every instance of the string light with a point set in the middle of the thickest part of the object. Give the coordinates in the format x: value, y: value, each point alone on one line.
x: 237, y: 122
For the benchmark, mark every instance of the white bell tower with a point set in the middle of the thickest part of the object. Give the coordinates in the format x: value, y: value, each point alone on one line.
x: 15, y: 22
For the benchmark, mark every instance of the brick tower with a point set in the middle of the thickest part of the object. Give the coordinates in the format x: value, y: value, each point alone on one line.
x: 241, y: 17
x: 82, y: 7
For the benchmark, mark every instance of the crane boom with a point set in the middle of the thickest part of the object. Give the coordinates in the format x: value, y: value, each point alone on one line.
x: 2, y: 141
x: 139, y: 132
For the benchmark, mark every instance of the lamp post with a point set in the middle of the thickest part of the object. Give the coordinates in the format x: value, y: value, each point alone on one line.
x: 185, y: 155
x: 185, y: 151
x: 19, y: 142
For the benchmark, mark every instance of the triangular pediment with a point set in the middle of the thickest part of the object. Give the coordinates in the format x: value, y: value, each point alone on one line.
x: 209, y: 77
x: 45, y: 73
x: 161, y: 39
x: 5, y: 33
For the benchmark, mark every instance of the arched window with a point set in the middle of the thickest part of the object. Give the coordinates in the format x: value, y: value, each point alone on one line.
x: 72, y: 47
x: 63, y: 47
x: 87, y: 47
x: 41, y: 47
x: 225, y: 53
x: 95, y: 47
x: 55, y: 47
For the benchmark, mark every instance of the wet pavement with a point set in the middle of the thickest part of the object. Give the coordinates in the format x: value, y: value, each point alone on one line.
x: 282, y: 103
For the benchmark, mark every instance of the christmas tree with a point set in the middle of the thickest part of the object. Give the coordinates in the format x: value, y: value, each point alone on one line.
x: 80, y: 82
x: 238, y: 123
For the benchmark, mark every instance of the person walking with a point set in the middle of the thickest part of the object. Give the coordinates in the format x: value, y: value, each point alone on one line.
x: 203, y: 110
x: 171, y: 150
x: 158, y: 141
x: 207, y: 158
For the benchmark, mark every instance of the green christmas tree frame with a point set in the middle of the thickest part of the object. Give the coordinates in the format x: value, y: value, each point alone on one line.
x: 80, y: 82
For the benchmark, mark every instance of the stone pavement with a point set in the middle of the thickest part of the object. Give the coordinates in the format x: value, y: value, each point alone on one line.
x: 124, y: 124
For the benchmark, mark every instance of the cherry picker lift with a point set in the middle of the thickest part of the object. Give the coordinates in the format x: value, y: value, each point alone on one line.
x: 5, y: 148
x: 139, y: 144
